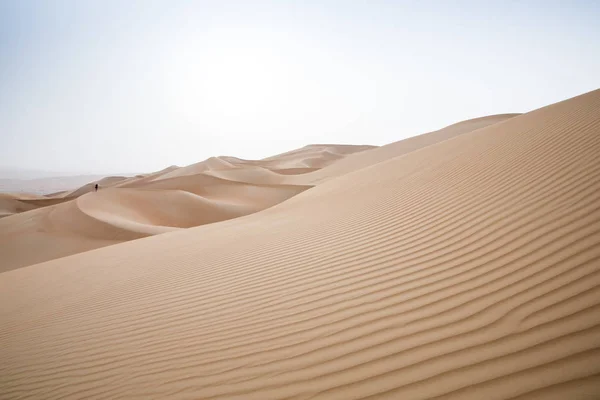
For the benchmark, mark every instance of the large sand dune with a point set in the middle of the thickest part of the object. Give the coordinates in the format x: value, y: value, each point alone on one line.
x: 213, y: 190
x: 465, y: 267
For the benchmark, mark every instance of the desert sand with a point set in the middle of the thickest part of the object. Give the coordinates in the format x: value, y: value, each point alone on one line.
x: 459, y: 264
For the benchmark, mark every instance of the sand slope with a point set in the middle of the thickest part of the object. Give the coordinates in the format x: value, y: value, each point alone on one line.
x: 396, y: 149
x: 124, y: 209
x: 12, y: 204
x: 114, y: 215
x: 44, y: 186
x: 468, y: 269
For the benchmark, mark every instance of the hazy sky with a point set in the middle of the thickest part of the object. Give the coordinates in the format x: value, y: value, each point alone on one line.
x: 135, y: 86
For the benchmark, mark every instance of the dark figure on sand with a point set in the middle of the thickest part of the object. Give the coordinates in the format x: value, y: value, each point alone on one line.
x: 96, y: 187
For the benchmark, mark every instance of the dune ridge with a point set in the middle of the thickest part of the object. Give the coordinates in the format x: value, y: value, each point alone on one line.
x: 364, y: 159
x: 217, y: 189
x: 468, y: 268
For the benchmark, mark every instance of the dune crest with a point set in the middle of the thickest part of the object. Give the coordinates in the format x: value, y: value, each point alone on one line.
x: 465, y: 268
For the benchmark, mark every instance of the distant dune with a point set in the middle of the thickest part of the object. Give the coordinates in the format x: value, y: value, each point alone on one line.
x: 127, y: 208
x: 459, y: 264
x: 46, y: 185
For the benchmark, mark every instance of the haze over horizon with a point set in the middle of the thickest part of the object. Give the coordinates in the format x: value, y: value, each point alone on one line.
x: 105, y: 87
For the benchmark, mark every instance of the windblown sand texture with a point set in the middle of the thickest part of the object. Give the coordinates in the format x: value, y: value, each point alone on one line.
x: 465, y: 265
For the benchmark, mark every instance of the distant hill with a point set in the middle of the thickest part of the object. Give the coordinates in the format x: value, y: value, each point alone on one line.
x: 40, y: 182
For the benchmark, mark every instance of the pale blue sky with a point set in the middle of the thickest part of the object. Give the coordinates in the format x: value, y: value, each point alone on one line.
x: 115, y: 86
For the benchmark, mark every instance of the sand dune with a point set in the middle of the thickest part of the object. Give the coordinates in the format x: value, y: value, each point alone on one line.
x: 206, y: 165
x: 131, y: 208
x: 114, y: 215
x: 392, y: 150
x: 252, y: 175
x: 467, y: 267
x: 11, y: 204
x: 14, y: 203
x: 139, y: 179
x: 17, y: 203
x: 45, y: 186
x: 52, y: 232
x: 312, y: 156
